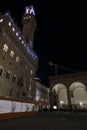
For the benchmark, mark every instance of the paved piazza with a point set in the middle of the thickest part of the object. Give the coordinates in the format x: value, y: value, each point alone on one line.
x: 48, y: 121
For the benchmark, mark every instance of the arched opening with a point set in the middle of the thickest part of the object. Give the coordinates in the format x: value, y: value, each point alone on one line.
x: 61, y: 95
x: 78, y: 96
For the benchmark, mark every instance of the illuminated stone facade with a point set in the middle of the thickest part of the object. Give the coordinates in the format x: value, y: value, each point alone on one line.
x: 42, y: 94
x: 18, y: 62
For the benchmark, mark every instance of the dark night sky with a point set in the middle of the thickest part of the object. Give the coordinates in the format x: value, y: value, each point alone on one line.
x: 61, y: 34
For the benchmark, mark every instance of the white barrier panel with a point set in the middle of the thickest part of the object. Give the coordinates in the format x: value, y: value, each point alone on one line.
x: 5, y: 106
x: 24, y: 107
x: 16, y: 106
x: 13, y: 106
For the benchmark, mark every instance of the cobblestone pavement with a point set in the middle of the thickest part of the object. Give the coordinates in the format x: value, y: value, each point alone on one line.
x: 48, y: 121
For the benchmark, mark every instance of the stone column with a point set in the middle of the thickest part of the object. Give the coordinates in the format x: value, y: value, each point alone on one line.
x: 69, y: 97
x: 51, y: 100
x: 85, y: 83
x: 51, y: 97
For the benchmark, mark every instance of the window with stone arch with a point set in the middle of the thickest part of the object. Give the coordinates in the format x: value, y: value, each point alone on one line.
x: 14, y: 78
x: 5, y: 48
x: 8, y: 75
x: 12, y: 53
x: 1, y: 70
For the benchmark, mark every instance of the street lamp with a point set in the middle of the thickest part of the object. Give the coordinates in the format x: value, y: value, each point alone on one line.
x: 55, y: 67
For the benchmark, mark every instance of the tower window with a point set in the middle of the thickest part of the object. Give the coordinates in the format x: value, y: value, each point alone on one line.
x: 29, y: 16
x: 30, y: 87
x: 5, y: 48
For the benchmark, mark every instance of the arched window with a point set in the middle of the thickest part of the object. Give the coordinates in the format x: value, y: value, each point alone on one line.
x: 8, y: 74
x: 17, y: 59
x: 12, y: 53
x: 1, y: 70
x: 5, y: 48
x: 14, y: 78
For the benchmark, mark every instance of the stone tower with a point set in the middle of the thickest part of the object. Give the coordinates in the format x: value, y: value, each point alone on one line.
x: 29, y: 24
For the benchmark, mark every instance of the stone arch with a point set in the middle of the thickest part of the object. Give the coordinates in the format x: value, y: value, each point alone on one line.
x: 61, y: 91
x: 78, y: 95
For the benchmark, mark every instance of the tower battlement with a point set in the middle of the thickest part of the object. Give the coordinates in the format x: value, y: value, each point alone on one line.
x: 29, y: 24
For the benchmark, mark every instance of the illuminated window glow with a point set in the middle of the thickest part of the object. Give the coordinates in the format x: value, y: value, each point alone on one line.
x: 29, y: 16
x: 81, y: 103
x: 13, y: 29
x: 16, y: 33
x: 9, y: 24
x: 1, y: 20
x: 5, y: 48
x: 12, y: 54
x: 28, y: 10
x: 54, y: 107
x: 31, y: 72
x: 30, y: 87
x: 61, y: 102
x: 22, y: 42
x: 17, y: 59
x: 19, y: 38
